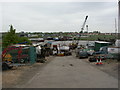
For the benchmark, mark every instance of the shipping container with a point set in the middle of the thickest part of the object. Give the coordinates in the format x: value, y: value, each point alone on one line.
x: 99, y: 44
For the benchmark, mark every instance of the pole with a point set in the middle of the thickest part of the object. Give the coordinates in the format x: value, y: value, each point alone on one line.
x: 115, y: 27
x: 118, y: 17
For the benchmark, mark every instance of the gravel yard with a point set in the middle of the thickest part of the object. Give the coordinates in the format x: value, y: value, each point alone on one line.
x: 21, y: 75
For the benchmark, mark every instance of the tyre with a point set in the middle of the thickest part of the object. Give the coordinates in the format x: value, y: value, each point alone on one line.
x: 5, y: 66
x: 79, y: 57
x: 92, y: 60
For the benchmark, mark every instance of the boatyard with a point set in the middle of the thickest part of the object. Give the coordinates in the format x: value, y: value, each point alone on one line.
x: 55, y: 64
x: 59, y: 59
x: 64, y: 46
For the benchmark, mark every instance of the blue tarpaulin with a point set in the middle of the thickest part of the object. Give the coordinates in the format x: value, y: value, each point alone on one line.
x: 22, y: 42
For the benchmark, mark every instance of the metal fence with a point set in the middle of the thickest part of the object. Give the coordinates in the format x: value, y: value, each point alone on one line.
x: 32, y: 55
x: 23, y: 55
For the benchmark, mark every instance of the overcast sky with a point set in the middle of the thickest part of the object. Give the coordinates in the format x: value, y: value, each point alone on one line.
x: 62, y: 16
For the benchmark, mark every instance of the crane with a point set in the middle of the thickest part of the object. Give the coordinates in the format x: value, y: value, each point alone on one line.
x: 84, y: 24
x: 83, y: 27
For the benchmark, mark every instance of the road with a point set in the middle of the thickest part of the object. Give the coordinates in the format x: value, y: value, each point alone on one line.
x: 70, y: 72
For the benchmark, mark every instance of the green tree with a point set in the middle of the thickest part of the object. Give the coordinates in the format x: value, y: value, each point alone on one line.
x: 81, y: 31
x: 23, y: 39
x: 12, y: 38
x: 96, y: 31
x: 85, y: 32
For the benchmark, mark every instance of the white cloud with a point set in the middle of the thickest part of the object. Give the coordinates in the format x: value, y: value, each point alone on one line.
x: 0, y: 18
x: 58, y: 0
x: 59, y: 16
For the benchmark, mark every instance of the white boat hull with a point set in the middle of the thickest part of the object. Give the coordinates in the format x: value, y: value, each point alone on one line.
x: 114, y: 50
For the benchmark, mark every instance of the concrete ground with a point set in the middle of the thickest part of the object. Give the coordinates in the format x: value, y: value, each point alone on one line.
x: 70, y: 72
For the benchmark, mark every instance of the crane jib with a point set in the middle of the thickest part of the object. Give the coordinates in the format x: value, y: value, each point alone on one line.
x: 86, y: 17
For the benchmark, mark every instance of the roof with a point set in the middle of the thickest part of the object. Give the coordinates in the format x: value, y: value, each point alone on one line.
x: 18, y: 45
x: 36, y: 39
x: 101, y: 42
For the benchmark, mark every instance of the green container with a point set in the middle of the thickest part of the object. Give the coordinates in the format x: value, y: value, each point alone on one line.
x: 100, y: 44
